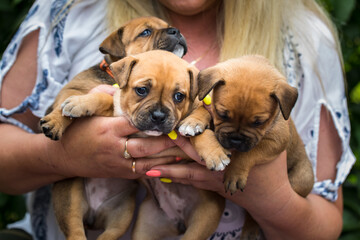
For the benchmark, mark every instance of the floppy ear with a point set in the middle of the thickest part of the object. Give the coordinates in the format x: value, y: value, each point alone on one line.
x: 122, y: 70
x: 207, y: 80
x: 193, y: 74
x: 113, y: 45
x: 286, y: 96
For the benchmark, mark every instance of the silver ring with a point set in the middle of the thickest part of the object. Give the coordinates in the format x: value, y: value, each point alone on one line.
x: 127, y: 155
x: 133, y: 166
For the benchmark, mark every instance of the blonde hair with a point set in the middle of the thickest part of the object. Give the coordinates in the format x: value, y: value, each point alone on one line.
x: 246, y: 26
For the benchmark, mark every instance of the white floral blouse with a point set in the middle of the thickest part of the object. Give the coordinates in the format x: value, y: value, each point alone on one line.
x: 72, y: 46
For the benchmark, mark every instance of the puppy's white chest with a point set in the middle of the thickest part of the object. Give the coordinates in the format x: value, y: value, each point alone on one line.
x: 117, y: 106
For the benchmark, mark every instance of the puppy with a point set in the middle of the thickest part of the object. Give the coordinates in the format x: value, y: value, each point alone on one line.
x: 251, y: 112
x: 157, y: 94
x: 136, y: 36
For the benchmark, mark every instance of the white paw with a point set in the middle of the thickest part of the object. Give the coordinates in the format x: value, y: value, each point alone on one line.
x: 218, y: 163
x: 188, y: 130
x: 73, y: 108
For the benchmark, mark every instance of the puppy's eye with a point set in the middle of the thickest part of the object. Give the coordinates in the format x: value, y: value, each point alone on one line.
x: 145, y: 33
x: 142, y: 91
x: 223, y: 115
x: 178, y: 97
x: 257, y: 123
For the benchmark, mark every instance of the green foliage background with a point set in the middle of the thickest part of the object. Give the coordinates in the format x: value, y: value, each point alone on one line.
x: 345, y: 14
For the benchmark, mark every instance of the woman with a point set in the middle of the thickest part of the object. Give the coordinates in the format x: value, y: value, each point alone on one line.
x: 295, y: 35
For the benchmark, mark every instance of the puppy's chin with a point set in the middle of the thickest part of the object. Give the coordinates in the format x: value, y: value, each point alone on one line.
x: 153, y: 133
x: 179, y: 50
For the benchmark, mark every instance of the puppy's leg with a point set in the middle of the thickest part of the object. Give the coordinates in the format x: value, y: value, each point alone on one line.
x: 117, y: 215
x: 152, y: 223
x: 205, y: 218
x: 70, y: 207
x: 300, y: 172
x: 251, y: 229
x: 209, y: 149
x: 195, y: 123
x: 99, y: 103
x: 54, y: 124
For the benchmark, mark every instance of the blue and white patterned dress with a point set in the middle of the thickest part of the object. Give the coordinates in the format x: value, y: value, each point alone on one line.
x: 72, y: 46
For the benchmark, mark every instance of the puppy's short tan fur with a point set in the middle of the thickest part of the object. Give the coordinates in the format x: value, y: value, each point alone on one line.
x: 251, y: 104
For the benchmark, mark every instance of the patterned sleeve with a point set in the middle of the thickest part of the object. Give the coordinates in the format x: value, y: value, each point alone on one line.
x: 316, y: 72
x: 69, y: 35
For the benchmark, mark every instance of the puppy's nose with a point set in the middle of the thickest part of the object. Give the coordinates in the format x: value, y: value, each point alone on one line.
x: 158, y: 116
x: 172, y: 31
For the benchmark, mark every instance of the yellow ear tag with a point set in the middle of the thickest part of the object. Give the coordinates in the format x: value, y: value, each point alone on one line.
x: 116, y: 85
x: 172, y: 135
x: 207, y: 100
x: 166, y: 180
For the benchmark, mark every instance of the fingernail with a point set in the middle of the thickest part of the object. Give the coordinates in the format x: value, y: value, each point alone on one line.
x: 207, y: 100
x: 166, y: 180
x: 178, y: 159
x: 116, y: 85
x: 173, y: 135
x: 153, y: 173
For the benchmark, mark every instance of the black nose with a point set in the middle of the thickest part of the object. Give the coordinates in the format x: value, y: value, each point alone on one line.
x: 158, y: 117
x: 172, y: 31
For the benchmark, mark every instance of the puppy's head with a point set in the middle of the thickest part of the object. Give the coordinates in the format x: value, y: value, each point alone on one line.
x: 157, y: 90
x: 141, y: 35
x: 248, y: 96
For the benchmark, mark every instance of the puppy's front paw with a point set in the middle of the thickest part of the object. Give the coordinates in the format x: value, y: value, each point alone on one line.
x: 191, y: 127
x: 216, y: 159
x: 235, y: 181
x: 52, y: 127
x: 76, y: 106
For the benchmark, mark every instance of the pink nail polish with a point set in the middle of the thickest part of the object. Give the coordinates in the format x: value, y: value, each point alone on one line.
x: 178, y: 159
x: 153, y: 173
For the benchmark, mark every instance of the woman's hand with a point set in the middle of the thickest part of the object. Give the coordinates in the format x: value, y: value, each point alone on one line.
x: 95, y: 146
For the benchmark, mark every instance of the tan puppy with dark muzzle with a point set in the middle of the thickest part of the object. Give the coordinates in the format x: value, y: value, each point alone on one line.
x: 251, y: 105
x: 157, y: 94
x: 136, y: 36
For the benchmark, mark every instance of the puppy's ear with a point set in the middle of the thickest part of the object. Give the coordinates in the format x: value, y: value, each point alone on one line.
x: 122, y: 70
x: 207, y: 80
x: 194, y: 88
x: 113, y: 45
x: 286, y: 96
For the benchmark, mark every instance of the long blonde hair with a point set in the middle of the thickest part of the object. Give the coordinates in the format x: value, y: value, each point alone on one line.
x: 246, y: 26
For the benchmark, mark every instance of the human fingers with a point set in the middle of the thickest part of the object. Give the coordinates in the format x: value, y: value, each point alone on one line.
x: 143, y: 147
x: 143, y: 165
x: 121, y: 126
x: 190, y: 173
x: 185, y: 145
x: 104, y: 88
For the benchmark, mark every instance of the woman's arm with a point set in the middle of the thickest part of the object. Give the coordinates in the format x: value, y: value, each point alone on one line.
x: 269, y: 198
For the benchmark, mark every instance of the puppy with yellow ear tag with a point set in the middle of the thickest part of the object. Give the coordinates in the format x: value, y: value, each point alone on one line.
x: 251, y: 105
x: 158, y: 94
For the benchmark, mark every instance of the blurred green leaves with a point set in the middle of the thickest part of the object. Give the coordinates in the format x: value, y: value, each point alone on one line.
x: 12, y: 208
x: 12, y: 12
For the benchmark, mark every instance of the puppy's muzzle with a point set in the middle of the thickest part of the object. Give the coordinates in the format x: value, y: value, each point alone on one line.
x: 158, y: 119
x: 173, y: 42
x: 240, y: 142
